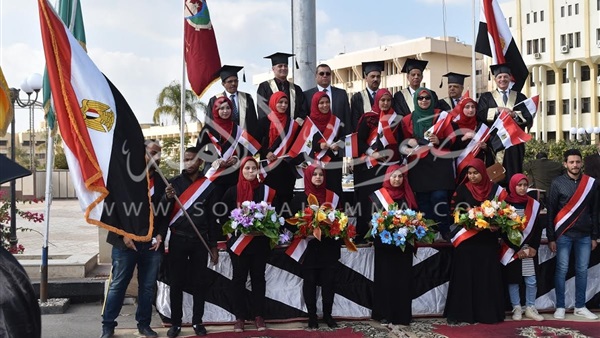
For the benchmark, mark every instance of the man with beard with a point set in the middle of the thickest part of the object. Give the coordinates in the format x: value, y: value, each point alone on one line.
x: 572, y: 223
x: 456, y: 85
x: 362, y: 101
x: 403, y: 100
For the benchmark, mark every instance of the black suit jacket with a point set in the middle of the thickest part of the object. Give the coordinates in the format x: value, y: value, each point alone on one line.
x: 340, y: 107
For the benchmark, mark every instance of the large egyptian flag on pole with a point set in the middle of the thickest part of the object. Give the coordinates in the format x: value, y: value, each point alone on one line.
x: 495, y: 40
x: 103, y: 142
x: 6, y: 108
x: 201, y: 52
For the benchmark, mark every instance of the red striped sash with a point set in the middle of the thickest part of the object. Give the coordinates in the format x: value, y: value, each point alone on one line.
x: 568, y: 215
x: 507, y: 254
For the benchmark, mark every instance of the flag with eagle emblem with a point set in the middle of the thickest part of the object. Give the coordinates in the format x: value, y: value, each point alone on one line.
x: 102, y: 139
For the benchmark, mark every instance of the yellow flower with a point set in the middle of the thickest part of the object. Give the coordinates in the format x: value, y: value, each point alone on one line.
x: 486, y: 204
x: 403, y: 219
x: 321, y: 216
x: 481, y: 223
x: 343, y: 221
x: 419, y: 216
x: 380, y: 227
x: 456, y: 216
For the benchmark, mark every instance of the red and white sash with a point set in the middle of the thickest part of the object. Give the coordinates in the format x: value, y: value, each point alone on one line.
x: 288, y: 139
x: 384, y: 130
x: 369, y: 161
x: 568, y: 215
x: 507, y: 254
x: 331, y: 199
x: 234, y: 138
x: 329, y: 135
x: 382, y: 199
x: 244, y: 239
x: 464, y: 234
x: 151, y: 186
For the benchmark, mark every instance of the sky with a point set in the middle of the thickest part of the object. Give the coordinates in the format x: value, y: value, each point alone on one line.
x: 140, y: 49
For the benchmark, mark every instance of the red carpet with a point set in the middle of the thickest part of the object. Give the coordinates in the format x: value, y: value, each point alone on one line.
x: 345, y: 333
x: 524, y: 328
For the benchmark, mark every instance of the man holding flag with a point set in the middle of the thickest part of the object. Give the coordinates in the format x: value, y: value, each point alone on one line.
x: 503, y: 99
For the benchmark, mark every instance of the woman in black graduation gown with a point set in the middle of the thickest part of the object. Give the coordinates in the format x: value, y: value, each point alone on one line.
x: 276, y: 133
x: 325, y: 145
x: 320, y: 260
x: 392, y: 299
x: 475, y: 292
x: 431, y: 173
x: 378, y: 141
x: 254, y: 257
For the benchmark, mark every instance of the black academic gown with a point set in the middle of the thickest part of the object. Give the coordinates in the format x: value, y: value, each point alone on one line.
x: 487, y: 113
x: 357, y: 108
x: 392, y: 270
x: 264, y: 92
x: 247, y: 109
x: 475, y: 291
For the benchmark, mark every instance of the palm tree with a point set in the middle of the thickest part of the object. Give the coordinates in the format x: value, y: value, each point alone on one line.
x: 169, y: 103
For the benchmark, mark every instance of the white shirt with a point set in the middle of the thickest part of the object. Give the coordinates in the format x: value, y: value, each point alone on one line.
x: 328, y: 94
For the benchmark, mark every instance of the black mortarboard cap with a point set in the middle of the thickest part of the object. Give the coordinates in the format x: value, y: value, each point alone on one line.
x: 411, y: 64
x: 456, y: 78
x: 500, y: 68
x: 278, y: 58
x: 372, y: 66
x: 227, y: 71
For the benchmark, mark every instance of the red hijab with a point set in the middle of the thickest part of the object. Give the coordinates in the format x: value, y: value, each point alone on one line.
x: 278, y: 120
x: 513, y: 197
x: 225, y: 126
x: 378, y: 97
x: 321, y: 120
x: 320, y: 192
x: 464, y: 121
x: 403, y: 191
x: 480, y: 191
x: 245, y: 188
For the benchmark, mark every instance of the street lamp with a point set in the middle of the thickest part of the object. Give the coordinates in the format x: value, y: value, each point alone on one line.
x: 31, y: 85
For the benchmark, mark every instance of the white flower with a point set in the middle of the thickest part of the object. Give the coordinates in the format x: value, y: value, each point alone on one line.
x: 259, y: 215
x: 234, y: 225
x: 264, y: 204
x: 246, y: 204
x: 281, y: 220
x: 331, y: 216
x: 471, y: 214
x: 273, y: 218
x: 488, y: 212
x: 403, y: 231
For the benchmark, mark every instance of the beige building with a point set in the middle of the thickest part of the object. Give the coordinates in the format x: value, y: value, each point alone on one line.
x: 560, y: 43
x: 347, y: 67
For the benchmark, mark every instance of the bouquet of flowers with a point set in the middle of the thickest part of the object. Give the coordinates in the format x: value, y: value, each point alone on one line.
x: 401, y: 226
x: 255, y: 219
x: 322, y: 220
x: 490, y: 214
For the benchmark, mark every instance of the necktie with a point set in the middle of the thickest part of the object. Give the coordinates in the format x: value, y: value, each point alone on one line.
x: 504, y: 96
x: 325, y: 90
x: 236, y: 116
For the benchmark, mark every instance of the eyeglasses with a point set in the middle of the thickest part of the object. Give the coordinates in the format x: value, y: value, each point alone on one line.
x: 325, y: 73
x: 423, y: 98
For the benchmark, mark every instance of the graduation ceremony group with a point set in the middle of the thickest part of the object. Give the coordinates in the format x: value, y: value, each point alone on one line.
x: 428, y: 169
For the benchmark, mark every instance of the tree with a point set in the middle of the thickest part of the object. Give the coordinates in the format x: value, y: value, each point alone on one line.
x: 169, y: 103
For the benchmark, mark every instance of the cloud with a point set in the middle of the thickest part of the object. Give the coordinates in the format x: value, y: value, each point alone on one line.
x: 336, y: 41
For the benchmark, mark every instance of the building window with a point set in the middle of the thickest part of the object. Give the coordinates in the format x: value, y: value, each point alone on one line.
x: 562, y: 11
x: 551, y: 107
x: 565, y: 106
x: 551, y: 136
x: 566, y: 134
x: 531, y: 83
x: 510, y: 20
x: 577, y: 39
x: 585, y: 73
x: 536, y: 46
x: 565, y: 79
x: 598, y: 33
x: 534, y: 16
x: 570, y: 40
x: 527, y: 16
x: 528, y: 47
x: 550, y: 77
x: 542, y: 45
x: 570, y: 10
x: 563, y: 39
x: 585, y: 104
x: 576, y: 9
x: 542, y: 15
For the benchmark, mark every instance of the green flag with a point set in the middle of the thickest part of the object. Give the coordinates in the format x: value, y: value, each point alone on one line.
x: 70, y: 13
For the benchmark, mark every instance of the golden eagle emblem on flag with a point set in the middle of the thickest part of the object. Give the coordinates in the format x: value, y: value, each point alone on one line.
x: 97, y: 115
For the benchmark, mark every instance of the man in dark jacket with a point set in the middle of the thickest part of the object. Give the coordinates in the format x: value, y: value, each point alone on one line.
x: 127, y: 254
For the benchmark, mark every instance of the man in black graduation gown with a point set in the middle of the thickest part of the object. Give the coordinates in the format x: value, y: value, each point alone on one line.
x: 362, y: 101
x: 403, y: 100
x: 280, y: 83
x: 456, y: 85
x: 244, y: 110
x: 490, y: 105
x: 338, y: 97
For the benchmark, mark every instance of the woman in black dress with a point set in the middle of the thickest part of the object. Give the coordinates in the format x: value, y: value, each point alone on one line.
x: 392, y: 301
x: 254, y: 256
x: 475, y: 292
x: 320, y: 260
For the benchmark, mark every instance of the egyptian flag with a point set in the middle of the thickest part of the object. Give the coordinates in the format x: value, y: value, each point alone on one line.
x: 351, y: 145
x: 382, y: 199
x: 303, y: 142
x: 495, y: 40
x: 102, y: 139
x: 531, y: 104
x: 201, y: 51
x: 507, y: 132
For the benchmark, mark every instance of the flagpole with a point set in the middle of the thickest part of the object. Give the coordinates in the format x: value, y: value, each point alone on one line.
x: 48, y: 203
x: 473, y: 57
x: 182, y: 103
